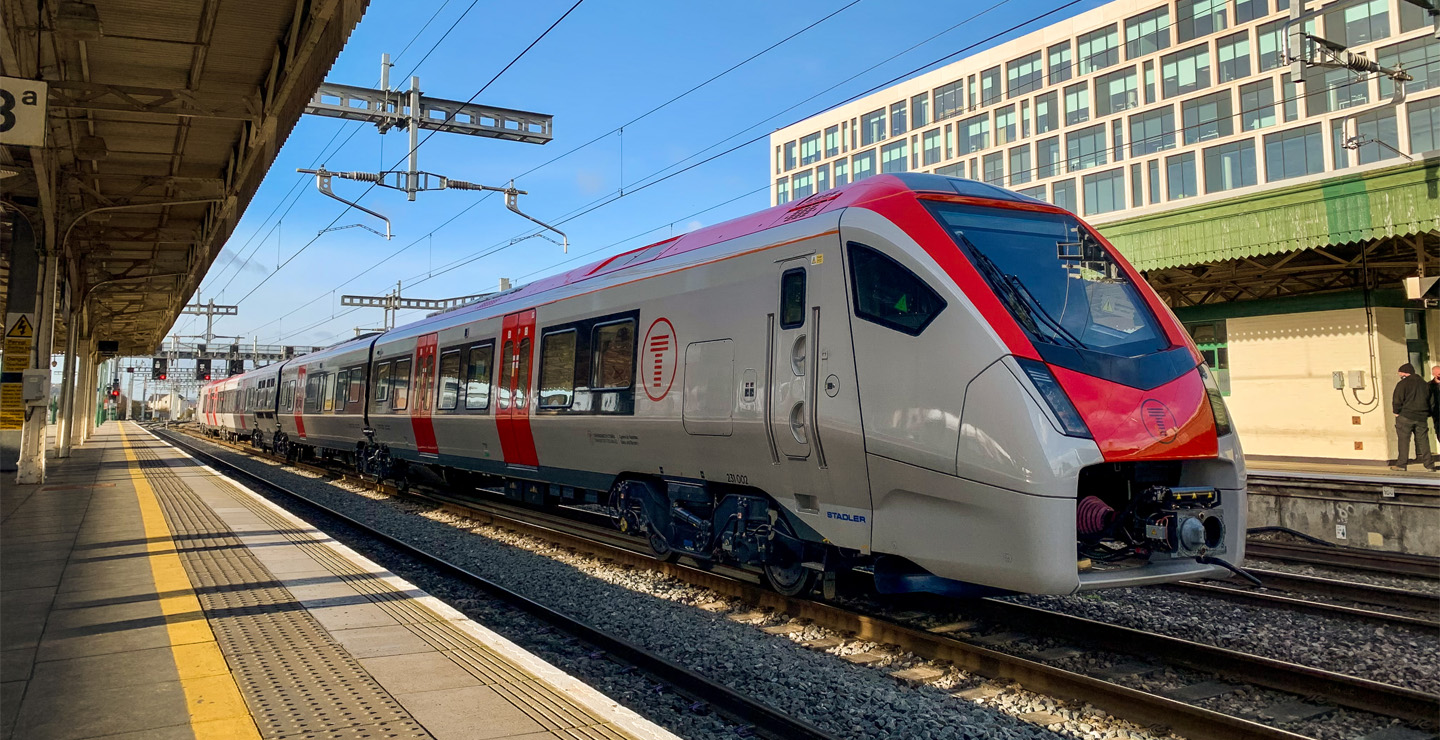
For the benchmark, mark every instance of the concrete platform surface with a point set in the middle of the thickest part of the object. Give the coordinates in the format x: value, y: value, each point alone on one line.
x: 143, y: 595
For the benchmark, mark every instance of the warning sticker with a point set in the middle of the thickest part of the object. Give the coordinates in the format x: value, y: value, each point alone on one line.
x: 12, y: 406
x: 19, y: 335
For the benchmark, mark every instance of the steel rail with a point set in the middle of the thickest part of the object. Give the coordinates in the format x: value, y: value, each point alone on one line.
x: 1242, y: 595
x: 1364, y: 593
x: 764, y: 718
x: 1149, y: 709
x: 1351, y: 558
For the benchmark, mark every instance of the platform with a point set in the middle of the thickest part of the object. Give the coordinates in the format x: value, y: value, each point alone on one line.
x: 1416, y: 475
x: 143, y: 595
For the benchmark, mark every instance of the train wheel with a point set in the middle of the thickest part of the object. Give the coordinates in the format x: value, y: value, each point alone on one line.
x: 660, y: 547
x: 789, y: 576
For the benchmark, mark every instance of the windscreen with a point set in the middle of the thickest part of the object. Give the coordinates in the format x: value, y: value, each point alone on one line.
x: 1061, y: 284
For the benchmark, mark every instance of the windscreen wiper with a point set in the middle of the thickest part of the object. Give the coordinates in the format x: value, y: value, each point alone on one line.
x: 1021, y: 302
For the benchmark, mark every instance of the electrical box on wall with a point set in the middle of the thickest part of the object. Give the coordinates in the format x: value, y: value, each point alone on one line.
x: 1337, y: 379
x: 1357, y: 380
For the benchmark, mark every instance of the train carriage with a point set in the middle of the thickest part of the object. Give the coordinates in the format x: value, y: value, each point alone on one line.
x: 955, y: 387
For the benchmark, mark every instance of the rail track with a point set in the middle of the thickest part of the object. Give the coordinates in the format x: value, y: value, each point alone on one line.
x: 1423, y: 610
x: 1348, y: 558
x: 1339, y: 690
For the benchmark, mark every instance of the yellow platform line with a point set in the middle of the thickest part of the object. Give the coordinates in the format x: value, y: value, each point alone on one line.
x: 212, y: 698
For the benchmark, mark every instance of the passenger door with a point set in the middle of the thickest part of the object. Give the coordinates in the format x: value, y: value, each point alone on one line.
x: 789, y: 408
x: 512, y: 413
x: 422, y: 397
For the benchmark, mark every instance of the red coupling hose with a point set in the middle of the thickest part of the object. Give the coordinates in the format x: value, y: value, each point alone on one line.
x: 1093, y: 515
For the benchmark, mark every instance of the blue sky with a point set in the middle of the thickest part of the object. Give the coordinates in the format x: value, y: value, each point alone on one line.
x: 606, y: 64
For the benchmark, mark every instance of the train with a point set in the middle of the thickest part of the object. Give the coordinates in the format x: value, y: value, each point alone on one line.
x: 947, y: 385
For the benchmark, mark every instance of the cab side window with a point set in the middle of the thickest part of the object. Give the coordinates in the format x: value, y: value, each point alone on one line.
x: 888, y: 294
x: 792, y: 298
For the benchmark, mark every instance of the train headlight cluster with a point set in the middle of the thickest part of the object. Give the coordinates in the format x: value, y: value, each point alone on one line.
x: 1044, y: 380
x: 1217, y: 402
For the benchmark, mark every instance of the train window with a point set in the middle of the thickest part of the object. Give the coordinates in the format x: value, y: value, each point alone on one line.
x: 312, y: 393
x: 792, y: 298
x: 505, y: 358
x: 334, y: 393
x: 557, y: 369
x: 888, y: 294
x: 522, y: 373
x: 449, y: 379
x: 382, y: 383
x: 357, y: 384
x: 477, y: 377
x: 613, y: 345
x: 400, y: 385
x: 289, y: 395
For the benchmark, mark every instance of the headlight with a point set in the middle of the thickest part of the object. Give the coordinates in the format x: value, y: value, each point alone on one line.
x: 1054, y: 395
x: 1217, y: 402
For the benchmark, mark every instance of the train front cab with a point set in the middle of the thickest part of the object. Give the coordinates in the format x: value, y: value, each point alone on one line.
x: 1033, y: 415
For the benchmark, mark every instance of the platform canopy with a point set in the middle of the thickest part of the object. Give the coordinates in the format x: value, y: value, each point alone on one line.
x: 1320, y: 236
x: 162, y: 118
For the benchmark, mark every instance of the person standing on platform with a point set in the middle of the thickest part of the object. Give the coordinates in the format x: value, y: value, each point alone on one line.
x: 1411, y: 406
x: 1435, y: 401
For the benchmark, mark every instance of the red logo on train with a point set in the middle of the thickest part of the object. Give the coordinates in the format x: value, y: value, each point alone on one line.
x: 658, y: 357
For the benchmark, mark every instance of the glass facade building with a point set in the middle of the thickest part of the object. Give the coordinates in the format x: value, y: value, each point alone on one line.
x: 1137, y: 104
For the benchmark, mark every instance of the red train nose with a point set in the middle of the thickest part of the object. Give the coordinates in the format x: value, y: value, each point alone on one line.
x: 1172, y: 421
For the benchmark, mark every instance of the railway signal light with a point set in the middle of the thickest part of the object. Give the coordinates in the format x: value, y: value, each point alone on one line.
x: 159, y: 368
x: 202, y: 369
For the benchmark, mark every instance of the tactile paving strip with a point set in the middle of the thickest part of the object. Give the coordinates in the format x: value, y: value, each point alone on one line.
x: 295, y: 679
x: 554, y: 711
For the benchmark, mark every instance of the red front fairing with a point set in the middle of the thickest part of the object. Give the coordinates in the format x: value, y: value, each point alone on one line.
x: 1169, y: 422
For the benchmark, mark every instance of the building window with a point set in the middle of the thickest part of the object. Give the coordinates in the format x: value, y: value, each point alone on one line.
x: 789, y: 156
x: 1047, y: 157
x: 779, y: 161
x: 990, y: 85
x: 1180, y: 176
x: 920, y: 110
x: 1185, y: 71
x: 1257, y: 105
x: 1413, y: 17
x: 1137, y: 186
x: 1230, y: 166
x: 1270, y: 42
x: 1149, y: 68
x: 1210, y: 339
x: 832, y: 141
x: 782, y: 191
x: 557, y: 370
x: 1147, y: 33
x: 994, y: 165
x: 898, y: 125
x: 872, y: 127
x: 952, y: 170
x: 1005, y: 125
x: 1152, y: 131
x: 1104, y: 192
x: 1058, y: 62
x: 1097, y: 50
x: 863, y: 164
x: 1232, y: 57
x: 1024, y: 118
x: 1249, y: 10
x: 1037, y: 192
x: 1023, y: 75
x: 1359, y: 24
x: 1424, y: 117
x: 842, y: 173
x: 1085, y: 148
x: 822, y: 178
x: 930, y: 142
x: 1294, y: 153
x: 1337, y: 144
x: 974, y: 134
x: 1077, y: 103
x: 1047, y: 112
x: 802, y: 185
x: 1117, y: 140
x: 810, y: 150
x: 1152, y: 174
x: 1337, y: 89
x: 892, y: 157
x: 1116, y: 91
x: 1062, y: 194
x: 1019, y: 165
x: 1198, y: 18
x: 972, y: 91
x: 1207, y: 117
x: 1377, y: 129
x: 949, y: 100
x: 1419, y: 57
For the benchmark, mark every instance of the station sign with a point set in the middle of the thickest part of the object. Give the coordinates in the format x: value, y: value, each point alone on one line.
x: 22, y: 111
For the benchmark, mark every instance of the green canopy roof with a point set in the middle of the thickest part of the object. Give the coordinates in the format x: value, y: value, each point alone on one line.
x: 1378, y: 203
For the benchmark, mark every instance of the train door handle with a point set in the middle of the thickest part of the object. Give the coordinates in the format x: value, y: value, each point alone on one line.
x: 797, y: 422
x: 797, y: 356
